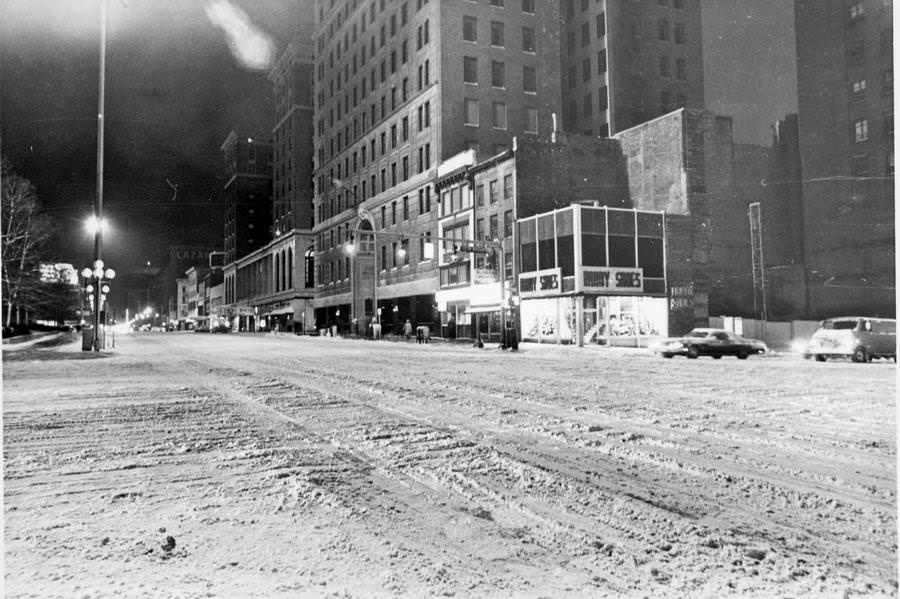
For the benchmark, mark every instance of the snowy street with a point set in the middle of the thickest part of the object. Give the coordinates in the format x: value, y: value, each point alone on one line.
x: 195, y: 465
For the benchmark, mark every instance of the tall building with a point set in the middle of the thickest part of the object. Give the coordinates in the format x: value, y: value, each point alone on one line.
x: 846, y: 128
x: 248, y: 194
x: 292, y: 135
x: 271, y: 288
x: 401, y: 86
x: 625, y: 62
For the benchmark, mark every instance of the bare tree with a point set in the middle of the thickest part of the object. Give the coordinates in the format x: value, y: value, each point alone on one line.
x: 25, y: 232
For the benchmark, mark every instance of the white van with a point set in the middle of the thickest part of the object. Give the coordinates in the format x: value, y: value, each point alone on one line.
x: 856, y: 337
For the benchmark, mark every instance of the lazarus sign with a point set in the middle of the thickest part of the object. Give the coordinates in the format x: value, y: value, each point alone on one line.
x: 618, y: 280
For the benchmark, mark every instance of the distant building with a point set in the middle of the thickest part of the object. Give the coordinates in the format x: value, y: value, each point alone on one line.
x: 846, y: 131
x: 247, y: 194
x: 626, y: 62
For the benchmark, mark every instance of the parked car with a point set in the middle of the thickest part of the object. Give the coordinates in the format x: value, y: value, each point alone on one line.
x: 710, y: 342
x: 856, y: 337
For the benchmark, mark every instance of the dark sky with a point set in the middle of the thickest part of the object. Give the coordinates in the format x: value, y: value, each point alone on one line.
x: 174, y: 91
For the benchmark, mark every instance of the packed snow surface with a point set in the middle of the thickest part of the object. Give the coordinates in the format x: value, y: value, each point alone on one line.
x: 197, y: 465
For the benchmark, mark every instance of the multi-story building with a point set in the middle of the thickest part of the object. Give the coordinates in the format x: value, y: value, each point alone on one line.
x: 846, y: 128
x: 272, y: 285
x: 401, y: 86
x: 247, y: 194
x: 625, y: 62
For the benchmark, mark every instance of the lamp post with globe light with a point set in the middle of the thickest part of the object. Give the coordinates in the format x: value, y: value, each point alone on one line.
x: 96, y: 285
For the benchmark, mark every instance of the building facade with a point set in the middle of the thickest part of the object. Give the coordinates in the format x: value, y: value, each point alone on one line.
x: 846, y: 129
x: 400, y: 87
x: 626, y: 62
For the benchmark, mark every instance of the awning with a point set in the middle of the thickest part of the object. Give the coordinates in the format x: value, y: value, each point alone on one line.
x: 483, y: 309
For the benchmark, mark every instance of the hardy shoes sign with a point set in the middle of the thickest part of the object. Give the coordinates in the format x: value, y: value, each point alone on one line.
x: 619, y: 280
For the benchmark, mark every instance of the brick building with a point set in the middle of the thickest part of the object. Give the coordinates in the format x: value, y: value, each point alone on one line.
x: 846, y: 130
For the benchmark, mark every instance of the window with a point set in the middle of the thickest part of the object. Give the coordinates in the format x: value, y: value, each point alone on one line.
x: 470, y: 69
x: 531, y: 120
x: 860, y: 130
x: 404, y: 130
x: 665, y: 69
x: 678, y: 33
x: 404, y: 252
x: 859, y: 89
x: 681, y: 69
x: 499, y: 113
x: 588, y: 104
x: 470, y: 29
x: 586, y: 69
x: 857, y: 51
x: 405, y: 207
x: 585, y: 33
x: 507, y: 223
x: 479, y: 229
x: 493, y: 227
x: 603, y: 97
x: 529, y: 80
x: 394, y: 212
x: 507, y: 187
x: 859, y: 165
x: 498, y: 74
x: 527, y: 39
x: 496, y: 33
x: 601, y: 25
x: 471, y: 112
x: 479, y: 195
x: 664, y: 100
x: 492, y: 191
x: 662, y: 29
x: 528, y: 6
x: 601, y: 62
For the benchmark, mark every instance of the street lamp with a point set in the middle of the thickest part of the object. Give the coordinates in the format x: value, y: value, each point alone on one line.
x: 97, y: 282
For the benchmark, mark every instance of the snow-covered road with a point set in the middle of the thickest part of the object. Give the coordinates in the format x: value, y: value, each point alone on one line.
x: 319, y: 467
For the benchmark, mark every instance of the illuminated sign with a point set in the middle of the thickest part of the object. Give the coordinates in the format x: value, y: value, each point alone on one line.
x: 619, y: 280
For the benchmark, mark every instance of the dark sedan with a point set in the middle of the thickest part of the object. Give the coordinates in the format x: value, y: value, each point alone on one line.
x: 710, y: 342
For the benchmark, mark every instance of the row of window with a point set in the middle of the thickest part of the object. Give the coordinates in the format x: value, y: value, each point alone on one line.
x: 858, y: 87
x: 498, y: 74
x: 498, y: 34
x: 499, y: 116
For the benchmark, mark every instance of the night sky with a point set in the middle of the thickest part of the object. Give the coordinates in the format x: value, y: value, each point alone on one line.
x: 174, y: 90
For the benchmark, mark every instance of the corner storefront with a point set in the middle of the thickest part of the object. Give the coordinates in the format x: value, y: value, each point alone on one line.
x: 593, y: 274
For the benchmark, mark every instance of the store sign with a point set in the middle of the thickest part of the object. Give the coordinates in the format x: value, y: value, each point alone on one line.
x: 540, y: 283
x: 485, y: 275
x: 618, y: 280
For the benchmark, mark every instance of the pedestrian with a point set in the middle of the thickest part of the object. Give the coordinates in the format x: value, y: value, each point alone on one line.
x: 407, y: 329
x: 451, y: 328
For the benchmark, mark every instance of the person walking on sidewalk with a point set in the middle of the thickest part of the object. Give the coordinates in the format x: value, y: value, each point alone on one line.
x: 407, y: 329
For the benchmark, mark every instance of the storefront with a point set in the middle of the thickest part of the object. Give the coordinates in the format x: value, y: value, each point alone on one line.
x: 593, y: 275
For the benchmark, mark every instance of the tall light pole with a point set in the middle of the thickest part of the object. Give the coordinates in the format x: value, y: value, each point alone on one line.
x: 98, y: 205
